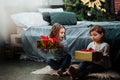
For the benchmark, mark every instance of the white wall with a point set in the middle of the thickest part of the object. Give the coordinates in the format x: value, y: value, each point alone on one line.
x: 9, y: 7
x: 55, y: 2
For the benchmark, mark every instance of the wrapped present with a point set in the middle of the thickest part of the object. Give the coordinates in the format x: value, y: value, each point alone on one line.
x: 88, y: 55
x: 47, y: 43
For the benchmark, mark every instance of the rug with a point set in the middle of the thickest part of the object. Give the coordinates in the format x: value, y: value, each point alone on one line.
x: 47, y: 70
x: 105, y: 75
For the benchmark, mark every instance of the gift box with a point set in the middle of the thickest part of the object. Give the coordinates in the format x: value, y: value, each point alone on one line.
x: 47, y: 43
x: 88, y: 55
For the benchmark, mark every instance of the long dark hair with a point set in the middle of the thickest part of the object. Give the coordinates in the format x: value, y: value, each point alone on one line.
x: 55, y: 30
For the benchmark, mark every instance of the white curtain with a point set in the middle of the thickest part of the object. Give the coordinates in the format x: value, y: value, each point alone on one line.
x: 9, y: 7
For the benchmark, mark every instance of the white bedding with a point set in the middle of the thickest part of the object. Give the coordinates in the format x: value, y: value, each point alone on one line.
x: 28, y: 19
x: 31, y: 19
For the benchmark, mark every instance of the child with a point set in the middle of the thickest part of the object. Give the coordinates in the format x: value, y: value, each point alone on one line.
x: 61, y: 59
x: 97, y: 34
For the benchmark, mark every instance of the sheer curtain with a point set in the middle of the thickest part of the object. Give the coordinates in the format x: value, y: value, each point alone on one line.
x: 9, y: 7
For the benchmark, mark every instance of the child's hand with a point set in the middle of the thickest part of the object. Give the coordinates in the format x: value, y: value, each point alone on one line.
x: 60, y: 44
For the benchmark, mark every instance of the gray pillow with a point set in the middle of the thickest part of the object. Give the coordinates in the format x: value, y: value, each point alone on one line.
x: 46, y: 16
x: 64, y: 18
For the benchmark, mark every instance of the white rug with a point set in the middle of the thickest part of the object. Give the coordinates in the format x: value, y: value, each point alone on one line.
x: 45, y: 70
x: 105, y: 75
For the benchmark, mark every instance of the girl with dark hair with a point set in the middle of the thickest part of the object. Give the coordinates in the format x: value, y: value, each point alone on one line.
x: 61, y: 59
x: 97, y: 34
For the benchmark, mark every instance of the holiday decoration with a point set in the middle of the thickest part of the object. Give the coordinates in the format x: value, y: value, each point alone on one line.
x: 93, y: 10
x: 47, y: 43
x: 88, y: 55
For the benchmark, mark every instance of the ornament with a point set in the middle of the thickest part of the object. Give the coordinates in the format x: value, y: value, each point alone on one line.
x: 88, y: 13
x: 103, y: 10
x: 93, y: 3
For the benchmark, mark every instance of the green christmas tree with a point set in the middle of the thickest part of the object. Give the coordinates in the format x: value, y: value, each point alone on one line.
x: 95, y: 10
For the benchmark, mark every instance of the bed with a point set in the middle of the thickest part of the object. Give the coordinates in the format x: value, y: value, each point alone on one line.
x: 77, y: 34
x: 77, y: 37
x: 31, y: 35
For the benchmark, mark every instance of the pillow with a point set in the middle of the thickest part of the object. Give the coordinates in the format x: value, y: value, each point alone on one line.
x: 64, y: 18
x: 46, y: 16
x: 28, y: 19
x: 45, y: 12
x: 41, y: 10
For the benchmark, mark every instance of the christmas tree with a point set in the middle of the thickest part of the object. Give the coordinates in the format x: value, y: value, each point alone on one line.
x: 93, y: 10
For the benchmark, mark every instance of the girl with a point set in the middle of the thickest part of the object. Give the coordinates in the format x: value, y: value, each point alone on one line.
x: 97, y: 34
x: 61, y: 59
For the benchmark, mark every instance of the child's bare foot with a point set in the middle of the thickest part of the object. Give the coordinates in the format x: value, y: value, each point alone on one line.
x: 74, y: 73
x: 60, y: 72
x: 56, y: 73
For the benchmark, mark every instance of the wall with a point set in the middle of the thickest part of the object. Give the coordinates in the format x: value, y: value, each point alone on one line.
x: 9, y: 7
x: 55, y: 2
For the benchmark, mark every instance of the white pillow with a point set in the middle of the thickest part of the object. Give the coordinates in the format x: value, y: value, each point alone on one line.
x: 28, y: 19
x: 41, y: 10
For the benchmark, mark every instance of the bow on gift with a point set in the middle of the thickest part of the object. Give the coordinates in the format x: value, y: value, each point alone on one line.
x: 49, y: 42
x: 96, y: 56
x: 48, y: 38
x: 89, y: 50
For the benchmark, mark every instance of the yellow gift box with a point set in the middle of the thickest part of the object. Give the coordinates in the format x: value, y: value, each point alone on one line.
x: 88, y: 56
x: 46, y: 44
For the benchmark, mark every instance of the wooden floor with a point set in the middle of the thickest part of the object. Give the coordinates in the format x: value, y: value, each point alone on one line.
x: 15, y: 69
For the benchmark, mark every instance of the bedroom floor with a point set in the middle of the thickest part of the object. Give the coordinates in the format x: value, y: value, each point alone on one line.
x: 21, y: 70
x: 14, y: 69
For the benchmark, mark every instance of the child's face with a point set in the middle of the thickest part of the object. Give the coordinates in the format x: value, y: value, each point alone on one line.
x: 96, y: 37
x: 61, y: 34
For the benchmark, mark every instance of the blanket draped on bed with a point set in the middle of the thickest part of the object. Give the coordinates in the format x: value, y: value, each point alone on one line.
x: 77, y: 37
